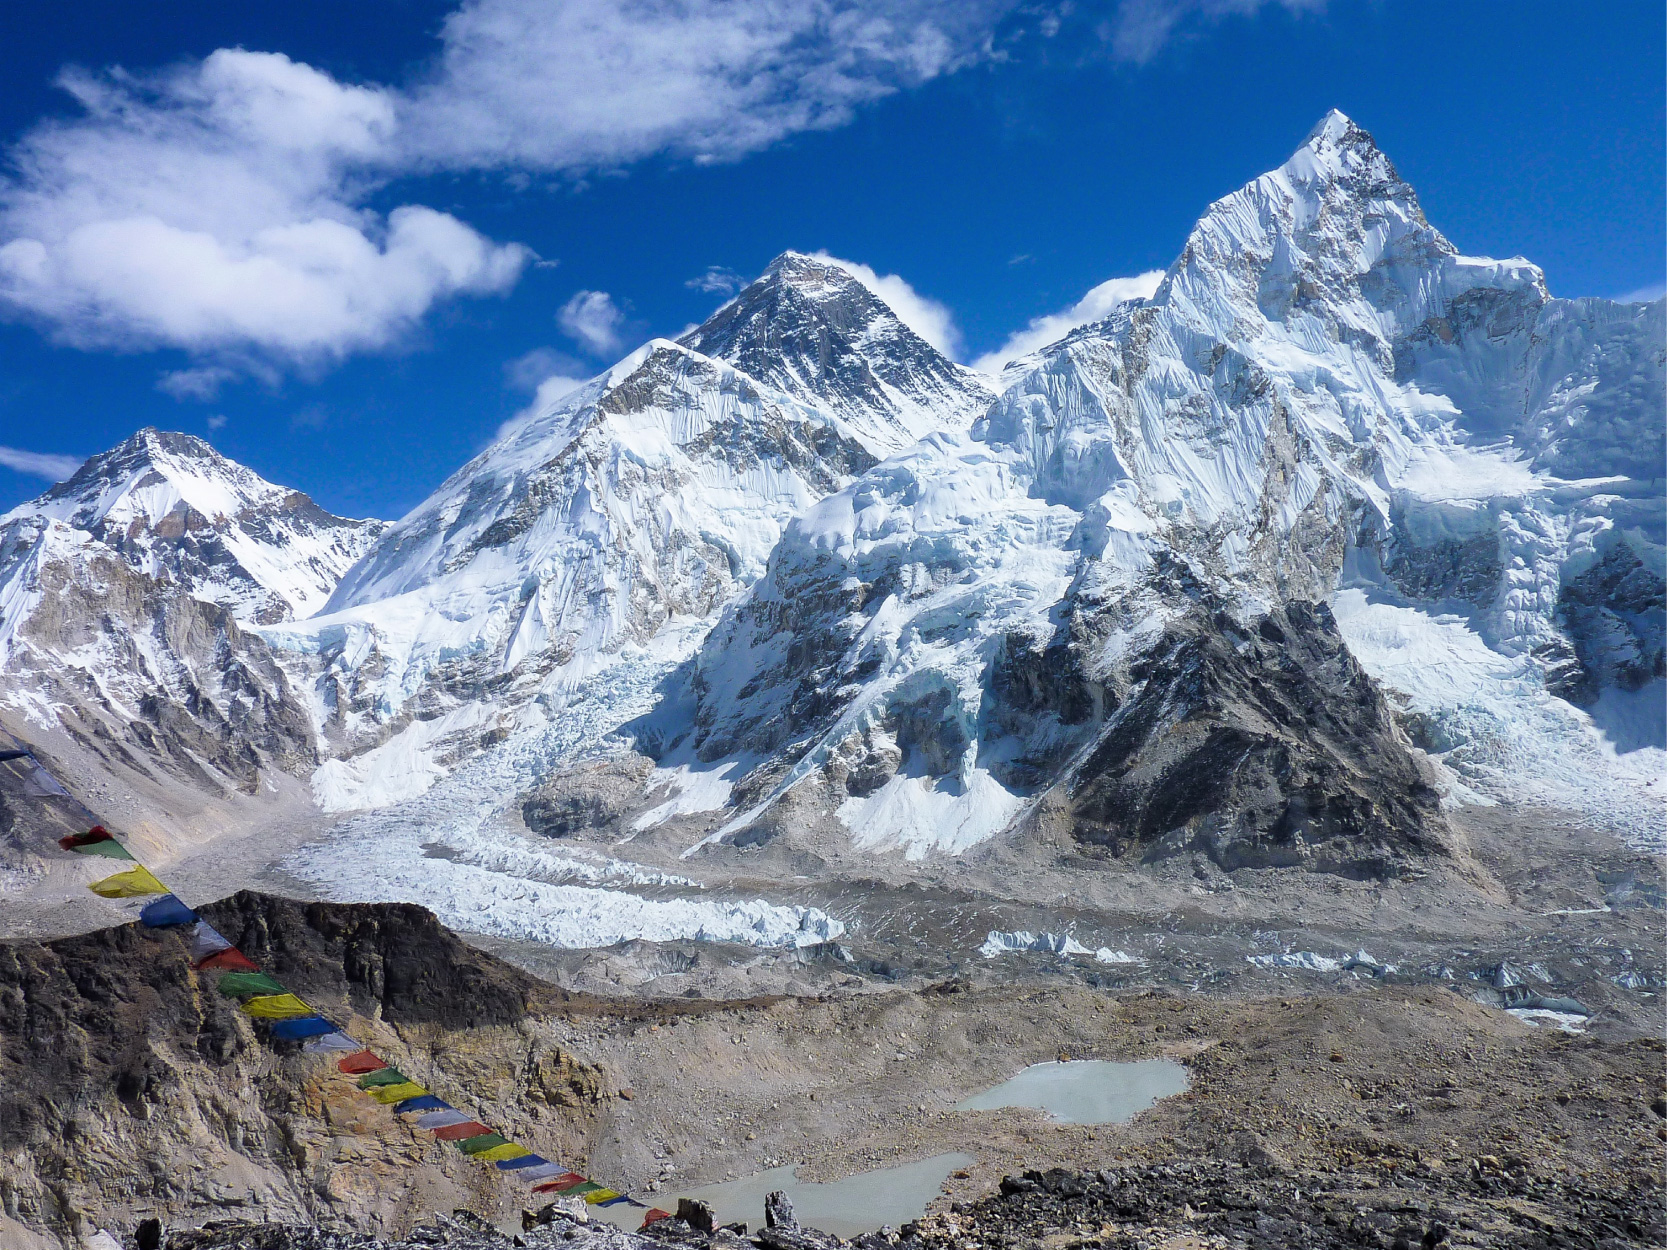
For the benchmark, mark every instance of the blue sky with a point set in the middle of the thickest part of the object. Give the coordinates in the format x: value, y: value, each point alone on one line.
x: 348, y: 264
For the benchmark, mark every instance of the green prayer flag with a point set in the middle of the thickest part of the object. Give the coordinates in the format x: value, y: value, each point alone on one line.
x: 248, y: 984
x: 486, y: 1141
x: 382, y: 1076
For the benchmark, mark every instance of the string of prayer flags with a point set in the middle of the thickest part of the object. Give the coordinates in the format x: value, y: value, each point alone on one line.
x: 136, y: 882
x: 289, y: 1018
x: 331, y: 1044
x: 538, y: 1171
x: 564, y: 1183
x: 521, y: 1162
x: 96, y: 841
x: 276, y: 1007
x: 166, y: 911
x: 506, y: 1150
x: 481, y: 1141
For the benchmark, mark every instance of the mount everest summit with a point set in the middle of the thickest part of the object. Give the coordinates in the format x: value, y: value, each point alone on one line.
x: 1339, y: 529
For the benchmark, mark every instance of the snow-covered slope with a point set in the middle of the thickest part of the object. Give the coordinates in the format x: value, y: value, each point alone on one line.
x: 809, y: 328
x: 612, y: 527
x: 1322, y: 392
x: 125, y: 594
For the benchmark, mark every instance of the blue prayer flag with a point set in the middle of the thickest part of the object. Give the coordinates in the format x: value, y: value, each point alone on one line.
x: 298, y: 1027
x: 525, y: 1161
x: 165, y: 911
x: 423, y: 1102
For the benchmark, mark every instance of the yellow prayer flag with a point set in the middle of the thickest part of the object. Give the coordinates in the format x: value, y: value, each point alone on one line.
x: 134, y: 883
x: 388, y: 1095
x: 509, y: 1150
x: 597, y: 1195
x: 277, y: 1007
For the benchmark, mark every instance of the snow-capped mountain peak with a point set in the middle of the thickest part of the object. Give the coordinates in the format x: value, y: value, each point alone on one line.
x: 808, y: 327
x: 173, y: 507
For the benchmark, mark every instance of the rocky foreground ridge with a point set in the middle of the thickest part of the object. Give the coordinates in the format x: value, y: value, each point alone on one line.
x: 1256, y: 1204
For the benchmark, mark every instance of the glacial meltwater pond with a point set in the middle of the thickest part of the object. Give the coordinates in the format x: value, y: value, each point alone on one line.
x: 857, y: 1204
x: 1085, y: 1091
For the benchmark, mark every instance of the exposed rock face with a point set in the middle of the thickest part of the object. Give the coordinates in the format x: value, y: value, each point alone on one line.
x: 1615, y: 614
x: 128, y: 1088
x: 1263, y: 745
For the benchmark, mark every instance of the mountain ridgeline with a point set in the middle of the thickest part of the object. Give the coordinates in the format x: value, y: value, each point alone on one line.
x: 797, y: 586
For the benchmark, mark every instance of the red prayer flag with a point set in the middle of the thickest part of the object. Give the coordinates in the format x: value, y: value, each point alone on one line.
x: 459, y: 1132
x: 360, y: 1062
x: 654, y: 1216
x: 98, y: 833
x: 229, y: 960
x: 565, y: 1181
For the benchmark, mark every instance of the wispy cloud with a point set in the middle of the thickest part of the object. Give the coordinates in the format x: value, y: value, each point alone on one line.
x: 593, y: 320
x: 1139, y: 29
x: 52, y: 467
x: 921, y: 313
x: 717, y: 280
x: 1091, y: 307
x: 202, y: 383
x: 1643, y: 295
x: 529, y: 371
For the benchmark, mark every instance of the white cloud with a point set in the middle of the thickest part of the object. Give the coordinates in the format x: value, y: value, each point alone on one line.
x: 212, y: 208
x: 551, y: 389
x: 532, y: 85
x: 1141, y: 28
x: 219, y: 207
x: 1643, y: 295
x: 922, y: 314
x: 527, y: 372
x: 717, y: 280
x: 202, y: 383
x: 40, y: 464
x: 217, y: 421
x: 594, y: 320
x: 1049, y: 329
